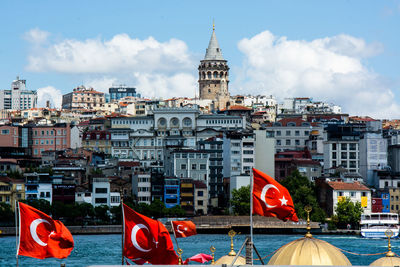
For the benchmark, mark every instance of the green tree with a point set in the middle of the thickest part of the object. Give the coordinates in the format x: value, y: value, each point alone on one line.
x: 40, y: 204
x: 240, y: 201
x: 176, y: 211
x: 157, y: 209
x: 347, y: 212
x: 102, y: 214
x: 6, y: 214
x: 303, y: 193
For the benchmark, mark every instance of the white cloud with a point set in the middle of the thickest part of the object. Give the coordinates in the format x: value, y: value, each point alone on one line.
x: 49, y: 93
x: 121, y: 53
x: 166, y: 86
x: 36, y: 36
x: 329, y: 69
x: 101, y: 84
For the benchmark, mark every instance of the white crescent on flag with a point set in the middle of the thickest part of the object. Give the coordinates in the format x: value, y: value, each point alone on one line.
x: 33, y: 228
x: 135, y: 229
x: 264, y: 193
x: 178, y: 230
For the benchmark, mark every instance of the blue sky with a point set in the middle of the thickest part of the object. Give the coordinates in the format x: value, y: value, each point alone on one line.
x: 345, y: 52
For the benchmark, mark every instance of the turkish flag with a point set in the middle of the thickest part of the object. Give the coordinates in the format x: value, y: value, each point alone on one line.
x: 271, y: 199
x: 184, y: 228
x: 41, y: 236
x: 147, y: 240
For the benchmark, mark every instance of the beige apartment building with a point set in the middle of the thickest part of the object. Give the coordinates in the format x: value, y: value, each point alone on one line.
x: 83, y: 98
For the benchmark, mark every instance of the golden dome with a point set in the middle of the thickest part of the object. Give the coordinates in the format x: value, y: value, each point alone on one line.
x: 228, y: 260
x: 309, y: 251
x: 387, y: 261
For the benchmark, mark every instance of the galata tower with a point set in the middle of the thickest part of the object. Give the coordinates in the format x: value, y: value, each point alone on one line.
x: 214, y: 75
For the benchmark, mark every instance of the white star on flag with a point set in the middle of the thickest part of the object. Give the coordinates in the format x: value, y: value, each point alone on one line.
x: 283, y: 201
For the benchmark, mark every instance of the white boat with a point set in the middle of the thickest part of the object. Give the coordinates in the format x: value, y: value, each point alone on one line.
x: 375, y: 225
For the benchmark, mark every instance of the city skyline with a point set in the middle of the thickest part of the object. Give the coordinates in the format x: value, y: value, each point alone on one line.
x: 342, y: 52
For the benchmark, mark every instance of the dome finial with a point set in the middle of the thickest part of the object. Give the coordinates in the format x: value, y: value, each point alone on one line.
x: 180, y: 256
x: 308, y: 209
x: 232, y: 234
x: 212, y: 249
x: 213, y: 25
x: 389, y: 234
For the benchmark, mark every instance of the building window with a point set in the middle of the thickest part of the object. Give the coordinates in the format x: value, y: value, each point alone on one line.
x: 364, y: 194
x: 101, y: 190
x: 101, y: 200
x: 297, y: 133
x: 343, y: 146
x: 297, y: 142
x: 278, y: 142
x: 278, y: 133
x: 200, y: 202
x: 5, y: 132
x: 340, y: 193
x: 183, y: 166
x: 343, y: 155
x: 194, y: 166
x: 287, y: 133
x: 288, y: 142
x: 334, y: 155
x: 333, y: 146
x: 200, y: 193
x: 352, y: 194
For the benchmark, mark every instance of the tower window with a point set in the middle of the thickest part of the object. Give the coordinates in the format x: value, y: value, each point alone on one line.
x: 209, y: 90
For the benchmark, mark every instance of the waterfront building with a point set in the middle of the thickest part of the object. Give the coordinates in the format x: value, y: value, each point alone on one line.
x: 171, y: 192
x: 329, y: 193
x: 83, y: 98
x: 373, y: 155
x: 18, y: 97
x: 264, y: 151
x: 341, y: 146
x: 306, y: 105
x: 187, y: 195
x: 394, y: 193
x: 141, y: 186
x: 63, y: 192
x: 121, y: 91
x: 214, y: 75
x: 101, y: 192
x: 200, y: 197
x: 38, y: 186
x: 11, y: 190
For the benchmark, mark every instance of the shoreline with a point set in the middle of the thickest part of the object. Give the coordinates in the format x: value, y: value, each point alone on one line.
x: 117, y: 229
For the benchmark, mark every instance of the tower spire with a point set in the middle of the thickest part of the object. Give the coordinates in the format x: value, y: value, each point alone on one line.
x: 213, y: 25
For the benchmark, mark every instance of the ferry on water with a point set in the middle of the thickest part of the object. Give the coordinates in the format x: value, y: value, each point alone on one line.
x: 375, y: 225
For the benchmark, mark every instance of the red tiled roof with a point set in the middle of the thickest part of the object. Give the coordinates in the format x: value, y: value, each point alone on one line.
x: 356, y: 186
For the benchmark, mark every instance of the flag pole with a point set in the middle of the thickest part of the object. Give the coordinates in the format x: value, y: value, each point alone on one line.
x: 176, y: 241
x: 16, y: 230
x: 123, y: 226
x: 251, y: 214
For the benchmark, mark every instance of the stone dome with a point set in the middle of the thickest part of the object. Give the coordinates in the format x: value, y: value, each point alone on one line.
x: 227, y: 259
x: 309, y: 251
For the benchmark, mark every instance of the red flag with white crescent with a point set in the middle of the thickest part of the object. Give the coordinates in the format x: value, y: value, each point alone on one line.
x: 147, y: 240
x: 271, y: 199
x: 184, y: 228
x: 41, y: 236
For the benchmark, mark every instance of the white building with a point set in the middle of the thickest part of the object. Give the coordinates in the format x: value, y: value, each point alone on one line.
x: 264, y: 148
x: 356, y: 191
x: 373, y: 155
x: 101, y: 192
x: 18, y: 97
x: 141, y: 186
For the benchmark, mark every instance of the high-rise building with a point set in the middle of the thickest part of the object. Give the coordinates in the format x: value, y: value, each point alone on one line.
x: 214, y: 75
x: 18, y: 97
x: 121, y: 91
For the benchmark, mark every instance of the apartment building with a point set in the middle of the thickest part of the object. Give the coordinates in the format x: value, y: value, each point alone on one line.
x: 18, y: 97
x: 83, y: 98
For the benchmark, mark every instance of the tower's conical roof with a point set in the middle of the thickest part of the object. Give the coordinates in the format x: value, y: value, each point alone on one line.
x: 213, y: 51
